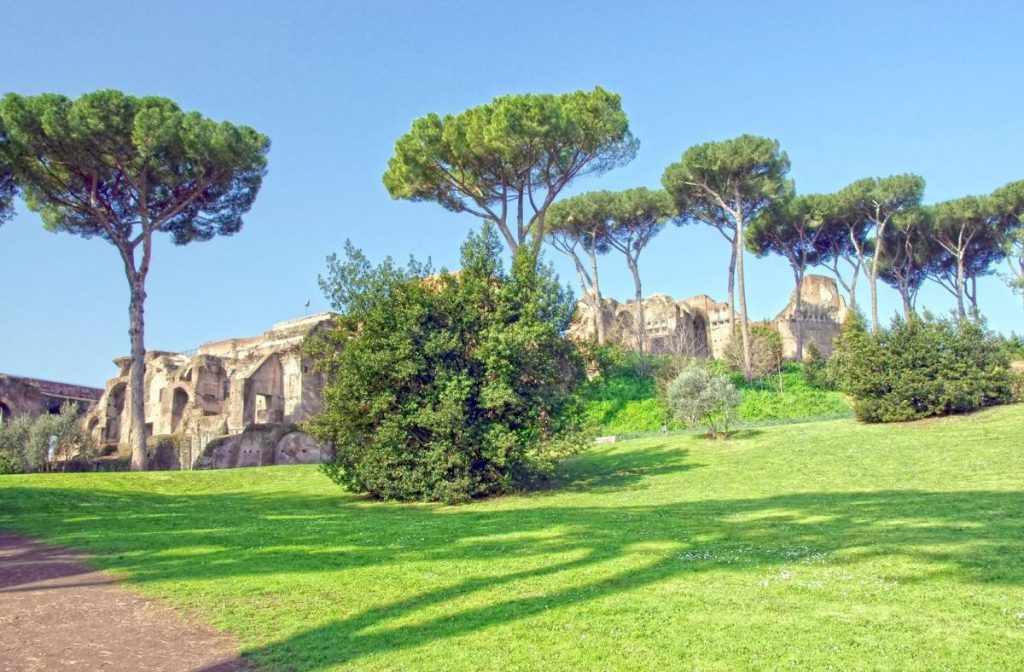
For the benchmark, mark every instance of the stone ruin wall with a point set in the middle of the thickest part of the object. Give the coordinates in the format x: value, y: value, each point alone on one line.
x: 222, y: 390
x: 699, y: 326
x: 34, y: 397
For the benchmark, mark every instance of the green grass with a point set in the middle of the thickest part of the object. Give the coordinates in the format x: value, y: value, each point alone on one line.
x: 624, y: 402
x: 819, y: 546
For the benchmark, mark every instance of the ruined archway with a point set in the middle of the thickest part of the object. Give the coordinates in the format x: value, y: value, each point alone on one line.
x: 179, y: 402
x: 5, y: 413
x: 115, y: 411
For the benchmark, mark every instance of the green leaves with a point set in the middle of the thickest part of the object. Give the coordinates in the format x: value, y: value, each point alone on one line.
x: 715, y: 181
x: 114, y: 165
x: 506, y: 161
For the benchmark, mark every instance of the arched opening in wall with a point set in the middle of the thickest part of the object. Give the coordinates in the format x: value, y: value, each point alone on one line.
x: 115, y: 409
x: 178, y: 404
x: 702, y: 346
x: 54, y: 409
x: 5, y: 413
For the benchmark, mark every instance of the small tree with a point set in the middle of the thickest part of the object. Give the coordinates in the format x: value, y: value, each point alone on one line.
x: 765, y: 350
x: 126, y: 169
x: 44, y: 443
x: 701, y: 399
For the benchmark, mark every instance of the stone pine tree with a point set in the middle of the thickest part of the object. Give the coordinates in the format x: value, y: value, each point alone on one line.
x: 126, y: 169
x: 581, y: 223
x: 635, y: 217
x: 964, y: 228
x: 506, y: 161
x: 726, y: 185
x: 907, y: 251
x: 873, y: 203
x: 1008, y: 204
x: 796, y: 230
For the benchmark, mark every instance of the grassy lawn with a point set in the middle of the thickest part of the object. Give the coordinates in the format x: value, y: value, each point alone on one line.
x: 824, y: 546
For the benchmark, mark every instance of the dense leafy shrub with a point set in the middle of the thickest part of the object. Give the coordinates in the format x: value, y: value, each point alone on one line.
x: 816, y: 370
x: 451, y: 386
x: 701, y: 398
x: 46, y: 443
x: 921, y: 367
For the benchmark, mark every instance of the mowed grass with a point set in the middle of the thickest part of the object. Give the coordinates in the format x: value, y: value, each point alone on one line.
x: 824, y: 546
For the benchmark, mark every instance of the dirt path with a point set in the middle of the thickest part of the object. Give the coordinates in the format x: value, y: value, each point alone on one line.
x: 57, y: 614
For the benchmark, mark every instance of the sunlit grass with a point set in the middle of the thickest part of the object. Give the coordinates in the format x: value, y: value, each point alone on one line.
x: 820, y: 546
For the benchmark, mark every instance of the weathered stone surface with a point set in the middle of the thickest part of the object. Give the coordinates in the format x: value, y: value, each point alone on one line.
x: 699, y: 326
x: 34, y: 397
x: 220, y: 389
x: 262, y: 445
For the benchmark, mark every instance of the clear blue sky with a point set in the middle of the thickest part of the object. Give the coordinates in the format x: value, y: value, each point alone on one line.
x: 850, y: 89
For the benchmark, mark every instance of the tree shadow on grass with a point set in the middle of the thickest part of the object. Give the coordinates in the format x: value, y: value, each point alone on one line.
x: 493, y: 557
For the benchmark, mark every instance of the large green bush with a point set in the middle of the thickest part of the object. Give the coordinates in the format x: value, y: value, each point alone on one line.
x: 446, y: 387
x: 921, y: 367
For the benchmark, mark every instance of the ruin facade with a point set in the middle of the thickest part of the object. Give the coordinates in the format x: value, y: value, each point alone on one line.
x: 34, y: 397
x: 220, y: 390
x: 699, y: 326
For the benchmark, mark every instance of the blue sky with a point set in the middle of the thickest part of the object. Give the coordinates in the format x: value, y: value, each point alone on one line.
x: 850, y: 89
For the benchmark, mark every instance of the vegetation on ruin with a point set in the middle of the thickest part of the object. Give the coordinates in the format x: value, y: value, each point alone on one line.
x: 800, y: 546
x: 447, y: 387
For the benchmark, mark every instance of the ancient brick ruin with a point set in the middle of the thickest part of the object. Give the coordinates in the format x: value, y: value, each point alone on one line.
x: 699, y: 326
x: 34, y: 397
x: 223, y: 389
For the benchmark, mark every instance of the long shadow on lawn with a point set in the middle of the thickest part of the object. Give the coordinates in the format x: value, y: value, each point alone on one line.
x: 492, y: 557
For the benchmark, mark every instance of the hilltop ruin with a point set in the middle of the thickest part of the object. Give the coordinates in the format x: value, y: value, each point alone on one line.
x: 252, y: 390
x: 699, y: 326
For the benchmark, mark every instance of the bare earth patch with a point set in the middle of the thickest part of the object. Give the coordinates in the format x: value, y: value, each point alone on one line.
x: 58, y: 614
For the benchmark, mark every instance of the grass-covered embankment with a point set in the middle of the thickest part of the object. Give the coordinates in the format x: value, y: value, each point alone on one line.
x: 624, y: 401
x: 828, y: 545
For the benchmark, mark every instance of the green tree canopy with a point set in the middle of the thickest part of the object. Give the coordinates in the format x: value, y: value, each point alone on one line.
x: 125, y: 169
x: 726, y: 185
x: 507, y: 161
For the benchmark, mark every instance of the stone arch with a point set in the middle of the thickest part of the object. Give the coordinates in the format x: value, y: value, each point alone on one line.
x: 54, y: 409
x: 179, y: 403
x: 115, y: 411
x: 5, y: 412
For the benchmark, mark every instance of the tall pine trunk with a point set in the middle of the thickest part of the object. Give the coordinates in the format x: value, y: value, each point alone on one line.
x: 748, y: 364
x: 136, y: 379
x: 641, y: 332
x: 598, y: 300
x: 961, y: 289
x: 799, y: 277
x: 732, y: 290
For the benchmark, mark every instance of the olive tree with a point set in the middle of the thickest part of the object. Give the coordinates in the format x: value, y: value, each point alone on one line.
x: 126, y: 169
